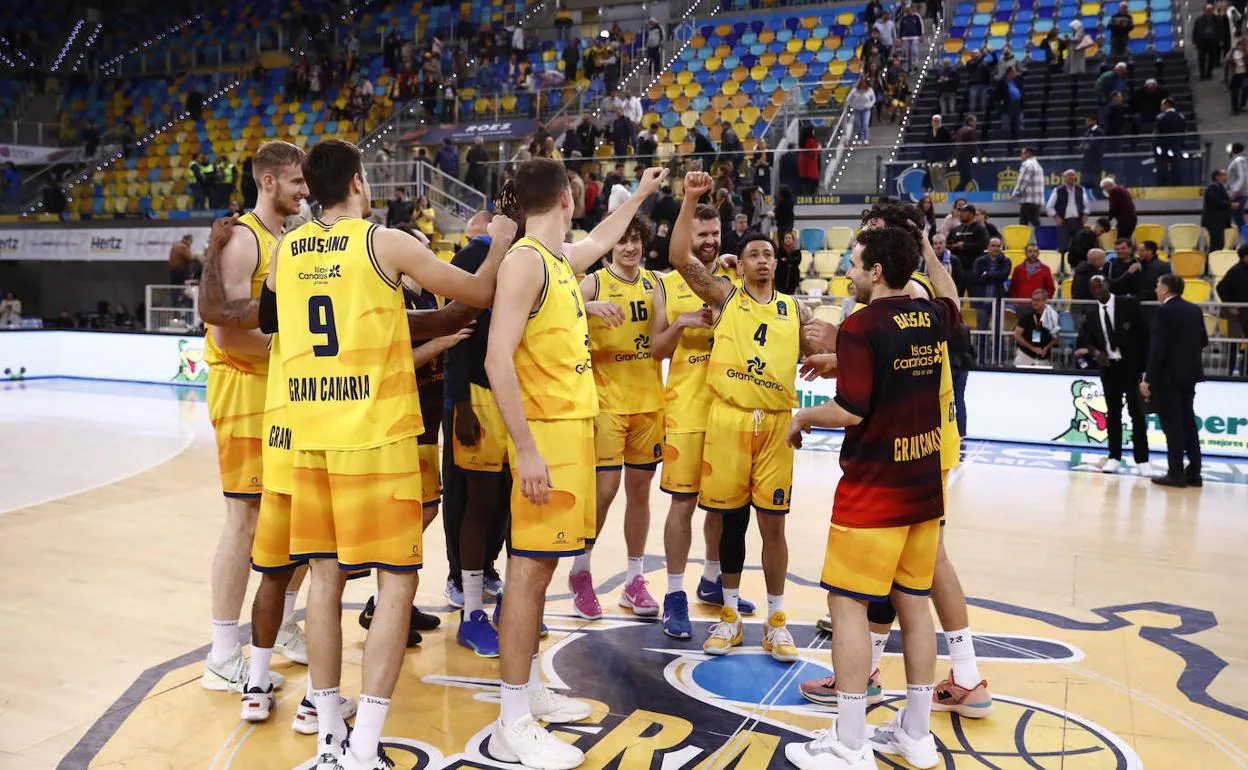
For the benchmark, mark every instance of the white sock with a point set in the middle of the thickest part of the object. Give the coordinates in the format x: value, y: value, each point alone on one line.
x: 962, y: 653
x: 224, y: 640
x: 730, y: 598
x: 851, y: 722
x: 917, y: 721
x: 774, y: 604
x: 878, y: 643
x: 288, y: 609
x: 580, y: 563
x: 675, y: 583
x: 366, y: 734
x: 474, y: 579
x: 635, y: 567
x: 329, y: 713
x: 535, y: 673
x: 307, y: 686
x: 515, y: 702
x: 259, y: 675
x: 711, y: 571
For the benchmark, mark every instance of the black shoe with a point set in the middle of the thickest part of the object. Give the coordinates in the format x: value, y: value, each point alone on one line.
x: 1196, y: 482
x: 1169, y: 481
x: 423, y: 621
x: 413, y: 636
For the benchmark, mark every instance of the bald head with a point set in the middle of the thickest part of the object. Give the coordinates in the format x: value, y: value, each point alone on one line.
x: 1097, y: 258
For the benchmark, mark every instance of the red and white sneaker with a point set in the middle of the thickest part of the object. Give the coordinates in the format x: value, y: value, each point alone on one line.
x: 975, y: 703
x: 584, y: 600
x: 257, y: 703
x: 636, y: 598
x: 823, y: 691
x: 305, y: 721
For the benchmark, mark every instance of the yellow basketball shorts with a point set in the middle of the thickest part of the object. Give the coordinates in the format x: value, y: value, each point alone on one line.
x: 236, y: 408
x: 270, y: 549
x: 277, y: 454
x: 430, y: 474
x: 682, y: 463
x: 746, y: 460
x: 568, y: 520
x: 868, y: 563
x: 361, y: 507
x: 944, y: 490
x: 633, y: 440
x: 489, y: 454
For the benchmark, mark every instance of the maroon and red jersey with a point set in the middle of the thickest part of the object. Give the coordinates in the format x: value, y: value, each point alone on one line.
x: 888, y: 361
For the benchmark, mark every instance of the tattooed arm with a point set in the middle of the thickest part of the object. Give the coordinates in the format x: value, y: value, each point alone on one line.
x: 226, y: 244
x: 713, y: 290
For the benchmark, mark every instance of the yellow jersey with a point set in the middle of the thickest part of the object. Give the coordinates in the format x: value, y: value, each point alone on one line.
x: 754, y: 359
x: 346, y: 352
x: 266, y: 244
x: 552, y: 360
x: 628, y: 378
x: 687, y: 402
x: 275, y: 451
x: 950, y: 439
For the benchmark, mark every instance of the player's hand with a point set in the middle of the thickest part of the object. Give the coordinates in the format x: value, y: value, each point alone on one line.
x: 1146, y: 390
x: 797, y: 426
x: 821, y: 333
x: 467, y: 426
x: 610, y: 313
x: 697, y: 184
x: 1134, y: 268
x: 816, y: 366
x: 501, y: 228
x: 448, y: 341
x: 729, y: 262
x: 222, y: 229
x: 695, y: 319
x: 534, y: 476
x: 651, y: 180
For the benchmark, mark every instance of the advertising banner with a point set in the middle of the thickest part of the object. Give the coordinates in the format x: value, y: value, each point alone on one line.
x: 156, y: 358
x: 28, y: 155
x: 128, y: 244
x: 465, y: 133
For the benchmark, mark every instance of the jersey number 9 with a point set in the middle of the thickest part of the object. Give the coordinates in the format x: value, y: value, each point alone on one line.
x: 321, y: 321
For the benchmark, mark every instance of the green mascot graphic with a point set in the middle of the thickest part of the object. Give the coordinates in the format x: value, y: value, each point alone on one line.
x: 1089, y: 425
x: 191, y: 366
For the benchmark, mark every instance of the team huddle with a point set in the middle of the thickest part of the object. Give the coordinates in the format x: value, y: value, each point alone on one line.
x: 328, y: 445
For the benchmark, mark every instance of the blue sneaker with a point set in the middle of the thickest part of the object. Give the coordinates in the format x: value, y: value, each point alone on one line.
x: 454, y: 594
x: 492, y: 586
x: 498, y: 613
x: 476, y: 633
x: 676, y: 616
x: 713, y: 593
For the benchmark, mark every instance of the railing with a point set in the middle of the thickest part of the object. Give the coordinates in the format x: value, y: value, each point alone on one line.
x: 172, y: 309
x: 446, y: 194
x: 30, y: 133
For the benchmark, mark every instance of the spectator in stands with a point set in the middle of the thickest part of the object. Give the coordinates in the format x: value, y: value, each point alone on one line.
x: 400, y: 209
x: 666, y: 209
x: 658, y: 256
x: 1125, y: 271
x: 10, y: 309
x: 947, y: 89
x: 478, y: 173
x: 730, y: 147
x: 1077, y: 44
x: 572, y: 58
x: 1031, y: 274
x: 734, y: 238
x: 1081, y: 281
x: 1054, y: 51
x: 54, y: 199
x: 1234, y: 288
x: 654, y: 45
x: 872, y: 50
x: 1036, y: 331
x: 785, y: 216
x: 424, y: 217
x: 966, y: 148
x: 1168, y: 143
x: 1009, y: 100
x: 1121, y: 206
x: 616, y: 177
x: 727, y: 212
x: 577, y: 185
x: 982, y: 216
x: 980, y: 69
x: 619, y: 193
x: 969, y: 239
x: 762, y: 166
x: 1237, y: 182
x: 808, y: 163
x: 990, y: 271
x: 593, y: 191
x: 610, y: 64
x: 1228, y: 30
x: 1068, y: 208
x: 1207, y: 37
x: 200, y: 180
x: 1146, y: 101
x: 703, y: 150
x: 1151, y: 268
x: 227, y: 184
x: 1110, y: 81
x: 180, y: 260
x: 861, y: 102
x: 756, y: 210
x: 90, y: 139
x: 1092, y: 148
x: 1007, y: 59
x: 910, y: 30
x: 928, y: 210
x: 1215, y: 215
x: 951, y: 263
x: 953, y: 219
x: 447, y: 159
x: 1120, y: 26
x: 888, y: 34
x: 873, y: 11
x: 1236, y: 65
x: 1114, y: 116
x: 788, y: 264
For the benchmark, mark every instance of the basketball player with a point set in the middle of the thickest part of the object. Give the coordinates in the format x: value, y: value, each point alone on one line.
x: 354, y: 415
x: 682, y: 332
x: 885, y: 517
x: 628, y: 432
x: 972, y: 699
x: 540, y: 369
x: 238, y: 358
x: 747, y: 460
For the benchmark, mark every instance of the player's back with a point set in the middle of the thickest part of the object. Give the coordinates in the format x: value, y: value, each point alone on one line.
x: 214, y: 354
x: 346, y: 349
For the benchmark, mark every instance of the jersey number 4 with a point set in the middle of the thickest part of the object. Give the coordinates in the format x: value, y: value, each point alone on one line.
x: 760, y: 335
x: 321, y: 321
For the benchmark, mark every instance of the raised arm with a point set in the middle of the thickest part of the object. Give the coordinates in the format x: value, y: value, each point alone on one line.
x: 582, y: 254
x: 231, y: 300
x: 401, y: 254
x: 713, y: 291
x: 214, y: 308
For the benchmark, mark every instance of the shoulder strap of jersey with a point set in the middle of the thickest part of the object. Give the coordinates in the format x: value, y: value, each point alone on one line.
x: 372, y: 257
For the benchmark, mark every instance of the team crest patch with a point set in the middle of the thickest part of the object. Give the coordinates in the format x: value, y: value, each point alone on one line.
x: 782, y: 308
x: 645, y: 283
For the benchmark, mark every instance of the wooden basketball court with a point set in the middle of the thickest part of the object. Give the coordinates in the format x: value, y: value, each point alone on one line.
x: 1110, y: 618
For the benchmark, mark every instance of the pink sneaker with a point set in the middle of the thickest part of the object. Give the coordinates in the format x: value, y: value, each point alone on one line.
x: 638, y: 599
x: 823, y: 691
x: 583, y: 597
x: 975, y: 703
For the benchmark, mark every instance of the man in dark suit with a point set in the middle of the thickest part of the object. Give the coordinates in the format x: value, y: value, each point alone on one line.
x: 1174, y: 367
x: 1114, y: 334
x: 1215, y: 215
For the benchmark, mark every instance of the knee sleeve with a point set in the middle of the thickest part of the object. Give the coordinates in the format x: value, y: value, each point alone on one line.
x: 881, y: 612
x: 732, y: 541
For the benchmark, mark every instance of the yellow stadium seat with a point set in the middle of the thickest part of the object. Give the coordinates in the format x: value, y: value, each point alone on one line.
x: 786, y: 59
x: 1184, y: 236
x: 803, y: 265
x: 1187, y: 263
x: 809, y: 22
x: 827, y: 262
x: 1016, y: 236
x: 1197, y: 291
x: 838, y: 286
x: 813, y: 286
x: 713, y: 64
x: 731, y: 114
x: 1221, y: 261
x: 1064, y: 289
x: 767, y: 36
x: 813, y: 44
x: 1150, y: 232
x: 758, y: 73
x: 846, y: 19
x: 1053, y: 259
x: 832, y: 313
x: 731, y: 87
x: 684, y: 77
x: 838, y: 238
x: 740, y: 100
x: 693, y: 89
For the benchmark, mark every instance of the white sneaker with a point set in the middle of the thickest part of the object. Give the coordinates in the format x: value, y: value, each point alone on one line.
x: 291, y: 644
x: 529, y: 744
x: 231, y: 674
x: 825, y: 752
x: 890, y: 738
x: 348, y: 761
x: 1111, y: 466
x: 824, y: 624
x: 552, y: 708
x: 306, y: 722
x: 257, y: 704
x: 329, y: 752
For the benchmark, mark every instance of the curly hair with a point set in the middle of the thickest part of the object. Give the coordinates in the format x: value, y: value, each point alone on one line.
x: 642, y: 226
x: 892, y: 248
x: 895, y: 213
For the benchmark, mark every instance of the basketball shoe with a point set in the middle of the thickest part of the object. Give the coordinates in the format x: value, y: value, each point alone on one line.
x: 305, y: 721
x: 825, y: 752
x: 553, y: 708
x: 712, y: 592
x: 529, y: 744
x: 584, y: 600
x: 676, y: 616
x: 975, y: 703
x: 725, y: 634
x: 348, y: 761
x: 476, y: 633
x: 778, y: 641
x: 257, y: 704
x: 635, y: 597
x: 823, y: 690
x: 231, y: 674
x: 291, y: 644
x: 890, y: 738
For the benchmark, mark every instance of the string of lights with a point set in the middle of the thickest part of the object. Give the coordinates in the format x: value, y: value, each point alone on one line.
x: 88, y: 45
x: 20, y: 53
x: 110, y: 67
x: 69, y: 44
x: 937, y: 44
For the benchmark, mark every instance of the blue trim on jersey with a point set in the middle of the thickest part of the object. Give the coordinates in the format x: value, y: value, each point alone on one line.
x: 713, y: 509
x: 545, y: 554
x: 242, y: 495
x: 378, y: 565
x: 432, y: 503
x: 912, y: 591
x: 268, y: 570
x: 644, y: 466
x: 678, y: 494
x: 605, y: 468
x: 772, y: 511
